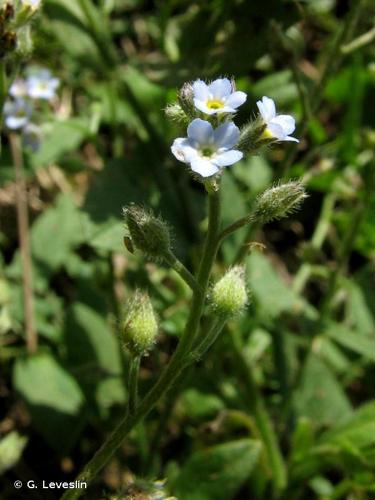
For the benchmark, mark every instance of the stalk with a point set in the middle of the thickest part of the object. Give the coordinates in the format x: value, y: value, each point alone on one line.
x: 178, y: 362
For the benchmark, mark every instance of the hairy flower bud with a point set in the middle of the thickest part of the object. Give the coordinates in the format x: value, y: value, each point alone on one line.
x: 253, y: 137
x: 148, y: 233
x: 278, y: 202
x: 26, y: 11
x: 229, y: 295
x: 175, y: 113
x: 186, y: 99
x: 140, y: 326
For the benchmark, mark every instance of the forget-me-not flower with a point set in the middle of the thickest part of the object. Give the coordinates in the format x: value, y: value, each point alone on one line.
x: 17, y: 113
x: 18, y: 88
x: 217, y: 97
x: 208, y: 150
x: 277, y: 126
x: 42, y: 85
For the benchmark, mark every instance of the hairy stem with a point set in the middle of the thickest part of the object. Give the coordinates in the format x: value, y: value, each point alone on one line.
x: 133, y: 384
x: 178, y: 362
x: 179, y: 267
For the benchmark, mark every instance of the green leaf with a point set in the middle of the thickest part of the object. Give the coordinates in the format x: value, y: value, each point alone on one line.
x: 353, y: 340
x: 320, y: 397
x: 199, y: 405
x: 53, y: 397
x: 273, y: 295
x: 279, y: 86
x: 56, y: 232
x: 357, y: 429
x: 217, y: 472
x: 11, y: 449
x: 60, y: 138
x: 93, y: 353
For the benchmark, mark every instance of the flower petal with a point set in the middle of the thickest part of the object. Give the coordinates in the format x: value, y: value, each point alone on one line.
x: 286, y: 122
x: 236, y: 99
x: 276, y: 130
x: 267, y: 108
x: 200, y: 131
x: 291, y: 139
x: 228, y: 158
x: 220, y: 88
x: 205, y: 168
x: 182, y: 150
x: 227, y: 135
x: 15, y: 123
x: 200, y: 90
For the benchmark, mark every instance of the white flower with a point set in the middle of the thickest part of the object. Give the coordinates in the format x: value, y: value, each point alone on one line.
x: 18, y: 88
x: 34, y: 4
x: 42, y: 85
x: 218, y: 97
x: 17, y: 113
x: 278, y: 126
x: 32, y: 136
x: 208, y: 150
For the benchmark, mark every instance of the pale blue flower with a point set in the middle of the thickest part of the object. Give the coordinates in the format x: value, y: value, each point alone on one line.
x: 17, y: 113
x: 278, y: 126
x: 217, y: 97
x: 42, y: 85
x: 31, y: 136
x: 207, y: 150
x: 18, y: 88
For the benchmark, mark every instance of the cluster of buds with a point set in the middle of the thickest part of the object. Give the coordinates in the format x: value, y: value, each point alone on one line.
x: 15, y: 20
x: 213, y: 140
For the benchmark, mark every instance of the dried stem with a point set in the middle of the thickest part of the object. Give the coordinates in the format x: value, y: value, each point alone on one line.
x: 24, y: 243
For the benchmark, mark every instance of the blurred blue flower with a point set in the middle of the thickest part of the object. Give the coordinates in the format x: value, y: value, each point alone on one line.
x: 218, y: 97
x: 208, y: 150
x: 42, y: 85
x: 18, y: 88
x: 278, y: 126
x: 17, y: 113
x: 31, y: 136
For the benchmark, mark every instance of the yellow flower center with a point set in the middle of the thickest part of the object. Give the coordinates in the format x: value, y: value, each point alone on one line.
x: 215, y: 104
x: 267, y: 134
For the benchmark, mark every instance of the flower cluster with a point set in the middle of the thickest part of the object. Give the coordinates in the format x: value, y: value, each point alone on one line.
x: 213, y: 140
x: 40, y: 84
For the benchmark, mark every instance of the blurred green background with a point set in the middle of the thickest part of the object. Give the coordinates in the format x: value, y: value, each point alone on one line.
x: 304, y: 349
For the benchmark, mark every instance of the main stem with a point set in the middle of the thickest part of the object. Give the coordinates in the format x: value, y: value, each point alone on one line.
x: 177, y: 363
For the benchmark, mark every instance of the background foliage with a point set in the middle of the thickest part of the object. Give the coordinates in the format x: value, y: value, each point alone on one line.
x: 305, y: 348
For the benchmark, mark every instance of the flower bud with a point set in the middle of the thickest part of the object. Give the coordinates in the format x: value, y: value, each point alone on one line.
x: 175, y: 113
x: 140, y: 326
x: 278, y: 202
x: 148, y: 233
x: 229, y: 295
x: 26, y: 11
x: 253, y: 137
x: 25, y: 42
x: 186, y: 99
